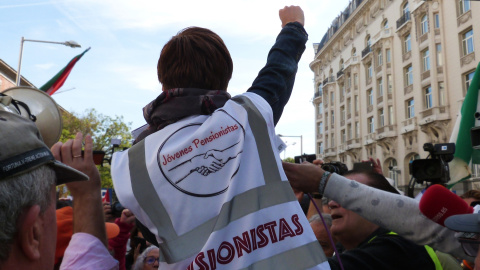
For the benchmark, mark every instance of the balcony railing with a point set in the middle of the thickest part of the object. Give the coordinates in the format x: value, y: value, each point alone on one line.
x: 366, y: 51
x: 340, y: 73
x: 405, y: 18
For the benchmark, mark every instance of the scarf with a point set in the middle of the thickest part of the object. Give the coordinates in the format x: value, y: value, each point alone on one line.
x: 174, y: 104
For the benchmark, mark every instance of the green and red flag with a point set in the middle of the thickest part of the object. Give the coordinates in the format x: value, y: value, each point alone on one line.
x: 57, y: 81
x: 464, y: 152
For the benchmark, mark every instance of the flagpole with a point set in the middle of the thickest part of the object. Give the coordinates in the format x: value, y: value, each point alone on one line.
x: 70, y: 43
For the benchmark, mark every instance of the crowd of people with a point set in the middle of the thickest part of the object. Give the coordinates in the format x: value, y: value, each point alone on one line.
x: 204, y: 187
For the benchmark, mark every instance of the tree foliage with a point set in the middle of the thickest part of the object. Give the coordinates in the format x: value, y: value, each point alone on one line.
x: 289, y: 159
x: 102, y: 128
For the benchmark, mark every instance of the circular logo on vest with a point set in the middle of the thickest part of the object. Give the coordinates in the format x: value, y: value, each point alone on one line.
x: 200, y: 159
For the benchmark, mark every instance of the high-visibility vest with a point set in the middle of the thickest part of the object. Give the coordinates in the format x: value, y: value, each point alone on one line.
x: 430, y: 251
x: 213, y: 191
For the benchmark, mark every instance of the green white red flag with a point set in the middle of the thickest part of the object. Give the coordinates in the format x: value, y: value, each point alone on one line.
x: 57, y: 81
x: 464, y: 153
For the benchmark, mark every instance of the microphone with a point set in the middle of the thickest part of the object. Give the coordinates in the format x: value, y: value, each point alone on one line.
x: 438, y: 203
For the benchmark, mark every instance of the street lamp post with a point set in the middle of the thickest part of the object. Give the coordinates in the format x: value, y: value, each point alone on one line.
x: 70, y: 43
x: 301, y: 141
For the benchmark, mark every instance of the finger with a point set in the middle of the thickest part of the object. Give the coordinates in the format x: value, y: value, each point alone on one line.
x: 88, y: 153
x: 56, y: 151
x: 67, y: 152
x: 77, y: 145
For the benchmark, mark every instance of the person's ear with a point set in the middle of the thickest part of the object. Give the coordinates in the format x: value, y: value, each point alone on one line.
x: 30, y: 232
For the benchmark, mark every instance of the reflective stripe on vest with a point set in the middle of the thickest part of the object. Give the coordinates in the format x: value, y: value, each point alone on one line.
x: 175, y: 248
x: 430, y: 251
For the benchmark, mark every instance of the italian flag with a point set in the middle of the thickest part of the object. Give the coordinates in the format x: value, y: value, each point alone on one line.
x: 57, y: 81
x: 464, y: 153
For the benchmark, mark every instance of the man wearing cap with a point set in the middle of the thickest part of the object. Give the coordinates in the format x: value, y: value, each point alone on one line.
x: 28, y: 176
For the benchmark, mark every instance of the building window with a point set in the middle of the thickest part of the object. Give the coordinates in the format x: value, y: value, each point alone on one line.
x: 354, y: 52
x: 349, y: 83
x: 326, y: 141
x: 356, y: 104
x: 428, y: 97
x: 426, y: 60
x: 343, y: 136
x: 468, y: 80
x: 391, y: 119
x: 349, y: 106
x: 320, y: 108
x: 357, y: 130
x: 406, y: 9
x: 320, y: 90
x: 342, y: 113
x: 385, y: 24
x: 408, y: 76
x: 320, y: 148
x: 332, y: 114
x: 464, y: 6
x: 368, y: 41
x: 355, y: 80
x: 369, y: 70
x: 467, y: 42
x: 424, y: 25
x: 380, y: 87
x: 410, y: 108
x: 320, y: 128
x: 439, y: 54
x: 389, y: 83
x: 349, y: 132
x: 332, y: 98
x: 370, y: 97
x: 381, y: 118
x: 342, y: 90
x: 371, y: 125
x: 388, y: 55
x: 441, y: 94
x: 407, y: 44
x: 332, y: 141
x: 379, y: 58
x: 436, y: 17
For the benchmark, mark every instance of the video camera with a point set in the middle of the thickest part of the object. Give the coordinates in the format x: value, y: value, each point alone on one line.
x: 333, y: 167
x: 434, y: 170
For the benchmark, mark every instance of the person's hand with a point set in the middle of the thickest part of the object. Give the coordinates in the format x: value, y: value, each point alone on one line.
x: 303, y: 177
x: 107, y: 211
x: 377, y: 166
x: 318, y: 162
x: 291, y: 14
x: 70, y: 153
x: 136, y: 252
x: 127, y: 217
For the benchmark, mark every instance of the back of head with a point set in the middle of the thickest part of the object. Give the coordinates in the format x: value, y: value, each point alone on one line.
x: 376, y: 180
x: 18, y: 193
x: 195, y: 58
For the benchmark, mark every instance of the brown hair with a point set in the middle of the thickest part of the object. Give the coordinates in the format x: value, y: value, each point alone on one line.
x: 474, y: 194
x: 195, y: 58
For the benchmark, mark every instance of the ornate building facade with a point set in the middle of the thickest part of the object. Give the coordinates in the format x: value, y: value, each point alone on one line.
x: 391, y: 75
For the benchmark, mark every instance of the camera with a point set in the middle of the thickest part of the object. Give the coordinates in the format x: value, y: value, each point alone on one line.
x: 309, y: 158
x: 335, y: 167
x: 117, y: 209
x: 435, y: 169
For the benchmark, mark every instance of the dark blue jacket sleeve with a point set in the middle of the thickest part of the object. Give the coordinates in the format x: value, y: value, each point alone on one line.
x: 275, y: 81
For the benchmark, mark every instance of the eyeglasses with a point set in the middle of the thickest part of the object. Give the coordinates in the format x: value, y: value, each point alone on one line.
x: 470, y: 243
x: 151, y: 260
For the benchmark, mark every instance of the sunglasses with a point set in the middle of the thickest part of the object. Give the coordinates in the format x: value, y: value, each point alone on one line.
x: 470, y: 243
x: 150, y: 260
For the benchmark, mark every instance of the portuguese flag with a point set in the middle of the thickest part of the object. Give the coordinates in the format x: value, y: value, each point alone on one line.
x: 464, y: 152
x: 57, y: 81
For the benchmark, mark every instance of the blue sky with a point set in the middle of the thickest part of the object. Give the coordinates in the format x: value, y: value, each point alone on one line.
x: 118, y: 75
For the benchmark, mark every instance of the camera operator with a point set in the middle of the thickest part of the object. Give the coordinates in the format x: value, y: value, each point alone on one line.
x: 395, y: 212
